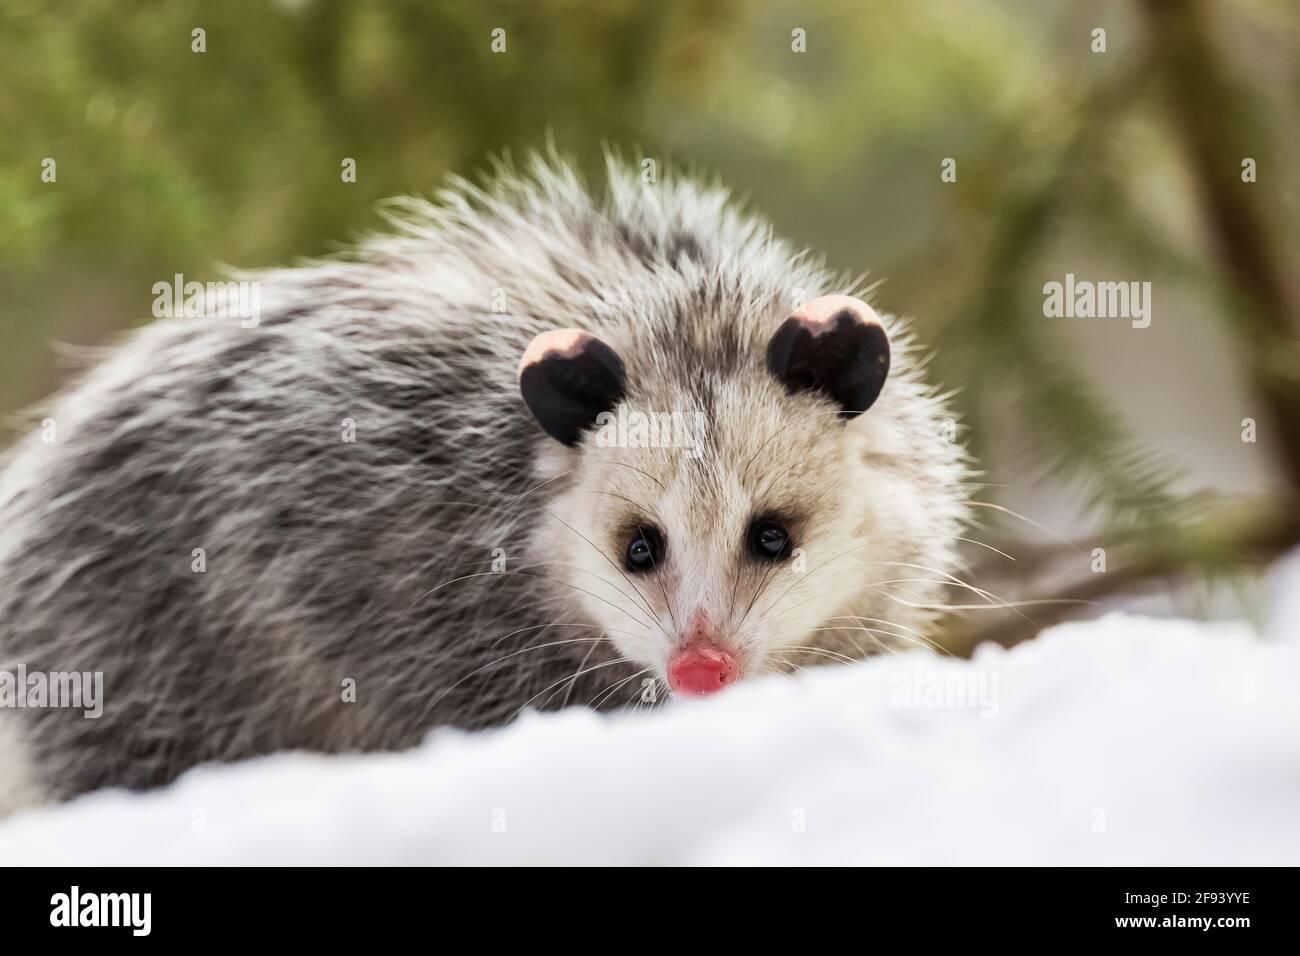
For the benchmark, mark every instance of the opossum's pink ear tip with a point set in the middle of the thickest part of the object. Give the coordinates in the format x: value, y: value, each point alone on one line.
x: 834, y: 344
x: 567, y: 377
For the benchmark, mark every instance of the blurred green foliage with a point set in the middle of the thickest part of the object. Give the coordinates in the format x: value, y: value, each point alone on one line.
x: 170, y: 160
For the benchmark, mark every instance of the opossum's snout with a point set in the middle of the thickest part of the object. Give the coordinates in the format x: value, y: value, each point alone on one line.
x: 702, y: 666
x: 698, y: 671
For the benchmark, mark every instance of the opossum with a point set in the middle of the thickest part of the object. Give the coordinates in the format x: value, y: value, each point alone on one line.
x: 528, y: 448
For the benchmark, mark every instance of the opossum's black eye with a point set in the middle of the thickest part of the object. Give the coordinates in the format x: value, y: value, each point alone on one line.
x: 769, y: 540
x: 645, y: 550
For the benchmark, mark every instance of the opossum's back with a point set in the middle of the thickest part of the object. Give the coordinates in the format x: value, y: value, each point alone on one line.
x: 224, y: 520
x: 254, y: 445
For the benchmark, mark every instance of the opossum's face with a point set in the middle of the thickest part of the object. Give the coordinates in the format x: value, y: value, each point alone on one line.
x: 714, y: 543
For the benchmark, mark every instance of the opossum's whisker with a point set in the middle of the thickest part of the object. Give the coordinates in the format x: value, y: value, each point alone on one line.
x: 910, y: 635
x: 613, y: 494
x: 793, y: 667
x: 567, y: 584
x: 923, y: 643
x: 919, y: 642
x: 819, y: 651
x: 863, y: 587
x: 992, y: 602
x: 663, y: 592
x: 768, y: 576
x: 819, y: 567
x: 636, y: 469
x: 510, y: 612
x: 981, y: 544
x: 767, y: 487
x: 594, y: 667
x: 1010, y: 605
x: 522, y: 572
x: 641, y: 508
x: 827, y: 653
x: 952, y: 581
x: 955, y: 537
x: 532, y: 647
x: 735, y: 584
x: 543, y: 484
x: 568, y: 693
x: 459, y: 503
x: 769, y: 438
x: 665, y: 696
x: 662, y: 693
x: 887, y: 648
x: 564, y: 564
x: 830, y: 486
x: 610, y: 561
x: 877, y: 620
x: 821, y: 596
x: 1028, y: 521
x: 639, y: 696
x: 574, y: 567
x: 871, y: 633
x: 534, y: 627
x: 604, y: 695
x: 948, y: 576
x: 463, y: 577
x: 645, y: 605
x: 990, y: 606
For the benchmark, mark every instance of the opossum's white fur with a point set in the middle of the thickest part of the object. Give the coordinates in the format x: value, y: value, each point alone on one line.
x: 18, y: 786
x: 329, y: 561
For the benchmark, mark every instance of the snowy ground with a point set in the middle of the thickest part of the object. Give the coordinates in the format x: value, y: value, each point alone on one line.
x: 1127, y: 740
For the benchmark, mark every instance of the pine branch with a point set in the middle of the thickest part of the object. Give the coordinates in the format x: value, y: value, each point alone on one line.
x: 1214, y: 119
x: 1070, y: 427
x: 1222, y: 544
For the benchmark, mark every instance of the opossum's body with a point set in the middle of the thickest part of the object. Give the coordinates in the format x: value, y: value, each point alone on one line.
x: 346, y: 595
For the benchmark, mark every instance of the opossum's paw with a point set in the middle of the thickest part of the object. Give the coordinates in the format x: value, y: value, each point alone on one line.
x: 18, y: 786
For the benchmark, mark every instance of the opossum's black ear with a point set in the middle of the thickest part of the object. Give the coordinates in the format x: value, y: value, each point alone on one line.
x: 567, y: 377
x: 833, y: 344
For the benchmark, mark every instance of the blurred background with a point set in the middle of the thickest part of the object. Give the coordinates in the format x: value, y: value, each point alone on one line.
x: 1121, y: 163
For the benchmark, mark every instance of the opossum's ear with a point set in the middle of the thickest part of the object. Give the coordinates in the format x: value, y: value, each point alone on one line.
x: 567, y: 377
x: 834, y: 344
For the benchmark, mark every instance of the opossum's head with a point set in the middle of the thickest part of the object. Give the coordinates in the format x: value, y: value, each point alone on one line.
x: 721, y: 508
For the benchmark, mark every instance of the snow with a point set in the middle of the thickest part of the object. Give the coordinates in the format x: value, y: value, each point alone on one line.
x: 1125, y: 740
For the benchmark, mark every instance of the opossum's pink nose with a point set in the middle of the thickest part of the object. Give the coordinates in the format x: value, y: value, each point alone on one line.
x: 697, y: 671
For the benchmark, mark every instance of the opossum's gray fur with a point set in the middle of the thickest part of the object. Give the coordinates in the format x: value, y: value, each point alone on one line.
x: 371, y: 560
